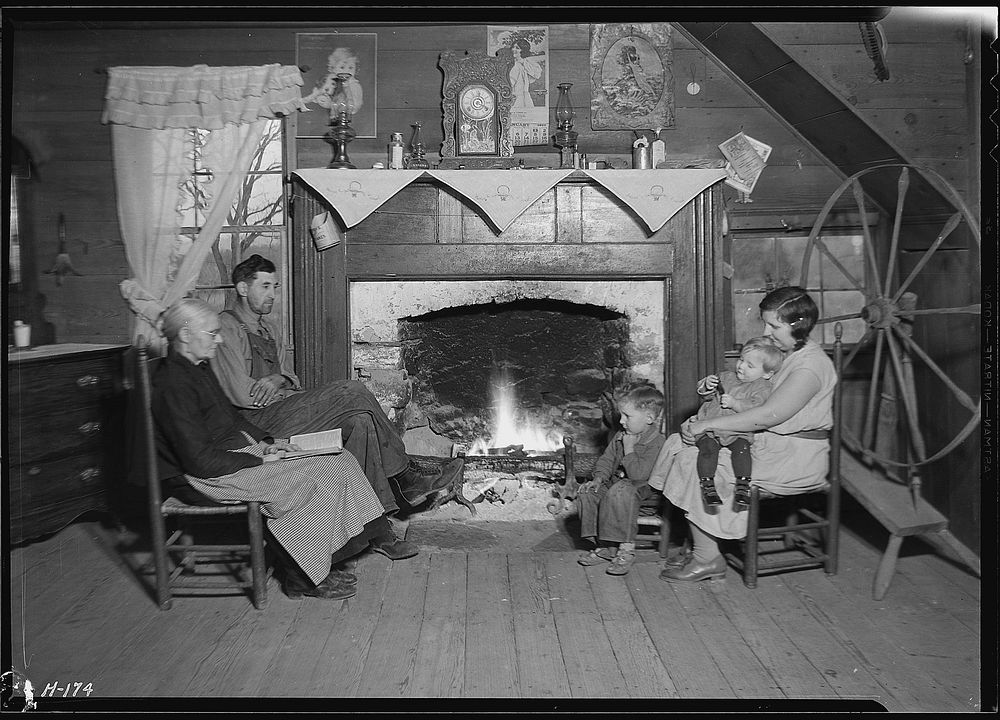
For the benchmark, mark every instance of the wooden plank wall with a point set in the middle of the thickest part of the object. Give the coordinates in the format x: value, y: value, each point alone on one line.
x: 57, y: 97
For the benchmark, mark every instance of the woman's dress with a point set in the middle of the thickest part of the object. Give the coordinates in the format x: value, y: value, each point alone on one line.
x: 782, y: 463
x: 313, y: 505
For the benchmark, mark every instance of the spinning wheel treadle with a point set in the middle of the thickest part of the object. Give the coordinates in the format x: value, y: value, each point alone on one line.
x: 891, y: 312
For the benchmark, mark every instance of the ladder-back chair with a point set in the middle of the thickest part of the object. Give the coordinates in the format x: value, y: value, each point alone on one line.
x: 653, y: 519
x: 809, y: 534
x: 206, y: 566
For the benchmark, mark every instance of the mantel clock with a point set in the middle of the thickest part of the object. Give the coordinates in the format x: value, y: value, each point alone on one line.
x: 476, y: 99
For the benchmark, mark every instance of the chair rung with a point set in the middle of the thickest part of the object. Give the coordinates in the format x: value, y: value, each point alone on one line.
x: 207, y: 548
x: 813, y: 516
x: 206, y: 584
x: 172, y: 507
x: 766, y: 564
x: 650, y: 521
x: 781, y: 529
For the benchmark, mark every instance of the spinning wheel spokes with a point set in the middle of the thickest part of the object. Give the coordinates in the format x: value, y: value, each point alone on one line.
x: 948, y: 228
x: 890, y: 314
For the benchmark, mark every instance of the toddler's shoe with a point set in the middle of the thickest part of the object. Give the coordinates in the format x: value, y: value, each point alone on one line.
x: 708, y: 492
x: 598, y: 556
x: 741, y: 494
x: 621, y: 563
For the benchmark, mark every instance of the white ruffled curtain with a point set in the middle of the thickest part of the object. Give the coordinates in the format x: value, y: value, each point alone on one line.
x: 152, y: 110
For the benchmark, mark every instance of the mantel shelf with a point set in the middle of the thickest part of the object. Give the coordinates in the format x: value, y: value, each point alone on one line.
x: 503, y: 195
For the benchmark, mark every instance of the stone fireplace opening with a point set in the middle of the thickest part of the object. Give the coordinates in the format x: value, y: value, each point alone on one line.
x: 524, y: 373
x: 474, y: 365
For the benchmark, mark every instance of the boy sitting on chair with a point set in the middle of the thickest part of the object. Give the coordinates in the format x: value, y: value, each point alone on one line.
x: 726, y: 394
x: 609, y: 503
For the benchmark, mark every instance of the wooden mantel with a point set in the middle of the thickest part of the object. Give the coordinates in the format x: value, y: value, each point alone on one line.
x: 576, y: 231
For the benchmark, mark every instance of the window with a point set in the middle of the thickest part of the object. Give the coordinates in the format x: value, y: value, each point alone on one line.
x: 764, y: 262
x: 255, y: 223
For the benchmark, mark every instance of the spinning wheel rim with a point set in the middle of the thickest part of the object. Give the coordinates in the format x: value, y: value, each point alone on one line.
x: 889, y: 313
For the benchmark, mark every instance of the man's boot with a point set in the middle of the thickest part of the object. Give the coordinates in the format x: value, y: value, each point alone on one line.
x: 415, y: 485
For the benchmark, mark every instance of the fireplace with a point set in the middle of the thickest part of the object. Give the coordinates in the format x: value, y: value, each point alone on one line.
x: 499, y: 363
x: 427, y: 256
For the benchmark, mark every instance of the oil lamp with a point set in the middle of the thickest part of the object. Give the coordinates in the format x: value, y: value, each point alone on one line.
x: 340, y: 132
x: 565, y: 137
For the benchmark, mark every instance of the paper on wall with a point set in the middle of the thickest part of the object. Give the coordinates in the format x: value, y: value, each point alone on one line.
x: 746, y: 158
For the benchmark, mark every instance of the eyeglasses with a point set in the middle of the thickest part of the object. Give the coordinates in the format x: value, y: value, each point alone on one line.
x: 213, y: 333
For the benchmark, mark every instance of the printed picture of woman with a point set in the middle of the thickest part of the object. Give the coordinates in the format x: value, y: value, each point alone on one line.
x: 525, y: 70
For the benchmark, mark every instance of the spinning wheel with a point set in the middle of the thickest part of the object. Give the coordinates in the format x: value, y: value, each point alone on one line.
x: 890, y: 312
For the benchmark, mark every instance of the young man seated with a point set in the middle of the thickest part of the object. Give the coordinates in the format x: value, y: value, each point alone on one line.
x: 253, y: 367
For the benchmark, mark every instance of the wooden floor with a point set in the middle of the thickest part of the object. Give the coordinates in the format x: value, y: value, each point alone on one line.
x: 483, y: 625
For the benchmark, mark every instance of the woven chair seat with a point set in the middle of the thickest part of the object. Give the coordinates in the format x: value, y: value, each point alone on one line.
x: 173, y: 506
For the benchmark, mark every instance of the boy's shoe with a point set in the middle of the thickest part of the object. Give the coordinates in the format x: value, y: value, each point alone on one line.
x: 598, y: 556
x: 708, y: 492
x: 622, y: 563
x: 741, y: 494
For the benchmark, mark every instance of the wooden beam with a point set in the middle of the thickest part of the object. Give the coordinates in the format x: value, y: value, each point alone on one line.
x: 508, y: 260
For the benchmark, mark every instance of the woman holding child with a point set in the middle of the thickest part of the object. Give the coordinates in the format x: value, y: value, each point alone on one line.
x: 790, y: 451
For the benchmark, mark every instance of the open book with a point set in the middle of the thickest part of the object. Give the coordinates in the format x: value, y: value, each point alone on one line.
x: 327, y: 442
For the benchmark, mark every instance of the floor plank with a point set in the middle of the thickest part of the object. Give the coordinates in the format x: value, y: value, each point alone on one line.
x: 743, y: 670
x: 640, y: 664
x: 390, y: 662
x: 866, y: 643
x: 586, y: 650
x: 845, y: 674
x: 692, y: 669
x: 540, y: 668
x: 242, y: 652
x: 502, y: 624
x: 338, y: 669
x: 766, y: 638
x: 490, y: 655
x: 48, y: 582
x: 440, y: 659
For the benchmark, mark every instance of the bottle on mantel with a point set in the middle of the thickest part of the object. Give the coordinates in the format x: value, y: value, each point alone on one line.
x: 395, y: 155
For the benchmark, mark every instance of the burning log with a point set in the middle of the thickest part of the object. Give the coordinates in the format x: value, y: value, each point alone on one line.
x: 562, y: 468
x: 546, y: 465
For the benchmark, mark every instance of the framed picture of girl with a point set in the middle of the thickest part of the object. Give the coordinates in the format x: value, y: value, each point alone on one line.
x: 631, y: 76
x: 322, y: 56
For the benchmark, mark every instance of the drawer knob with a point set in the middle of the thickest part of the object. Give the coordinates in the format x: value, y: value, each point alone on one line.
x: 87, y: 381
x: 89, y: 428
x: 90, y: 473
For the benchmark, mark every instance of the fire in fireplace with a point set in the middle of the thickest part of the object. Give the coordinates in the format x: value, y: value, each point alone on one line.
x: 526, y: 372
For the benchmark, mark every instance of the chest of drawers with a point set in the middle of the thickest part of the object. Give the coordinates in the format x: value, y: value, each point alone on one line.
x: 65, y: 411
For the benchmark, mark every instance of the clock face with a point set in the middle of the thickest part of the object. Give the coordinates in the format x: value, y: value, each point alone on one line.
x: 477, y: 102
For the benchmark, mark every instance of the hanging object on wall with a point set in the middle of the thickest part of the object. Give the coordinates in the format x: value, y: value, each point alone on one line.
x: 63, y: 265
x: 631, y: 76
x: 876, y: 46
x: 746, y: 159
x: 693, y: 87
x: 529, y: 79
x: 327, y: 55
